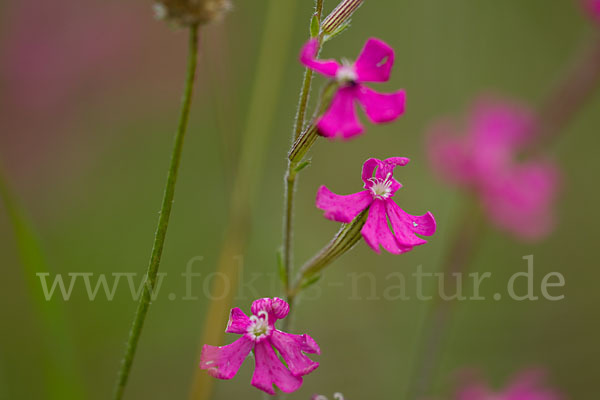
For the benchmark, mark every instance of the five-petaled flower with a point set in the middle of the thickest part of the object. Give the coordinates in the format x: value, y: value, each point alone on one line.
x: 380, y: 186
x: 517, y: 195
x: 528, y: 385
x: 373, y: 64
x: 259, y: 334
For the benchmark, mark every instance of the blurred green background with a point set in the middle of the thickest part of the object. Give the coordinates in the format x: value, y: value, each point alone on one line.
x: 89, y: 102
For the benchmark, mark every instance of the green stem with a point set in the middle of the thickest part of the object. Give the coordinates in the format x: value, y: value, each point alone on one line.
x: 163, y: 220
x: 290, y: 176
x: 467, y: 236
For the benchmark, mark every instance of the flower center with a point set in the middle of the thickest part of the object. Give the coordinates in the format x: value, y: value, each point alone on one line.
x: 346, y: 73
x: 259, y: 326
x: 381, y: 188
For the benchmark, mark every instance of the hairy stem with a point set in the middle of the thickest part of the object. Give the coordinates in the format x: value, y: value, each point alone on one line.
x: 290, y: 175
x: 163, y: 220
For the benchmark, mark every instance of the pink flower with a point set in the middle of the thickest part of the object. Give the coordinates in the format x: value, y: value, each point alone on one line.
x: 259, y: 334
x: 517, y: 195
x: 374, y: 64
x: 593, y: 8
x: 377, y: 197
x: 526, y: 386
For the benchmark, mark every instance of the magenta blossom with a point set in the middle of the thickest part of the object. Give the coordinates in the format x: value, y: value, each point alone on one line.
x: 374, y: 64
x: 377, y: 197
x: 517, y: 195
x: 526, y: 386
x: 593, y: 8
x: 259, y: 334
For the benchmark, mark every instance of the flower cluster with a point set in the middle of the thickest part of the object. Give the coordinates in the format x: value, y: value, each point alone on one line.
x: 260, y: 336
x: 517, y: 194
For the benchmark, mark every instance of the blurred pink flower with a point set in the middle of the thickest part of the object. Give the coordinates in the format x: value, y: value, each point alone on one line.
x: 374, y: 64
x: 528, y: 385
x: 517, y: 195
x: 377, y: 197
x: 259, y: 334
x: 593, y: 8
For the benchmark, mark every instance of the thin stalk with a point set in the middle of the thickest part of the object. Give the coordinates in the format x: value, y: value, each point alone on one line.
x: 580, y: 80
x: 290, y: 175
x: 163, y: 220
x: 306, y: 84
x: 467, y: 236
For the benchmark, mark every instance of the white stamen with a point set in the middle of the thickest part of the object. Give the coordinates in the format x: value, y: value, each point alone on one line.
x: 381, y: 188
x: 259, y: 326
x: 346, y: 73
x: 415, y: 224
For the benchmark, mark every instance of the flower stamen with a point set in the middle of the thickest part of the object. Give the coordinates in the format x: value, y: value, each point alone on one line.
x: 381, y: 188
x: 259, y: 327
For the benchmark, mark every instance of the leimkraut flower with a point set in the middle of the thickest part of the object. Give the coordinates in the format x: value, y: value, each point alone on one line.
x: 526, y: 386
x: 517, y: 195
x: 373, y: 64
x: 259, y: 334
x: 380, y: 186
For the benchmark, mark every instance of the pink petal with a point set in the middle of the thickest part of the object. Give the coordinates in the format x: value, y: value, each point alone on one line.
x: 341, y: 120
x: 342, y: 208
x: 308, y: 57
x: 499, y: 128
x: 276, y: 308
x: 521, y: 200
x: 387, y: 166
x: 593, y: 8
x: 405, y: 225
x: 270, y: 371
x: 368, y: 169
x: 374, y: 62
x: 449, y: 155
x: 225, y: 361
x: 238, y: 321
x: 292, y: 349
x: 381, y: 107
x: 376, y: 231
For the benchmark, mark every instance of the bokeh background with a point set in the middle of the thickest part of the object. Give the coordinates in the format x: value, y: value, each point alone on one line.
x: 88, y: 107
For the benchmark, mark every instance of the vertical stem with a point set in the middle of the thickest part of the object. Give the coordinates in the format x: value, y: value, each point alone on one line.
x: 163, y: 220
x: 305, y: 91
x: 571, y: 92
x: 466, y: 238
x: 290, y: 176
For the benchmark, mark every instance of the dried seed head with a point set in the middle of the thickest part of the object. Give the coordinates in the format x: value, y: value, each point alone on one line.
x: 190, y: 12
x: 339, y: 16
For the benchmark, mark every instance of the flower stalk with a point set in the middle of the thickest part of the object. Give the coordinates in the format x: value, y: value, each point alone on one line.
x: 163, y: 221
x: 342, y: 242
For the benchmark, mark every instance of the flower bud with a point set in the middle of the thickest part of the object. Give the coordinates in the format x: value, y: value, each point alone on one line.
x: 191, y: 12
x: 339, y: 16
